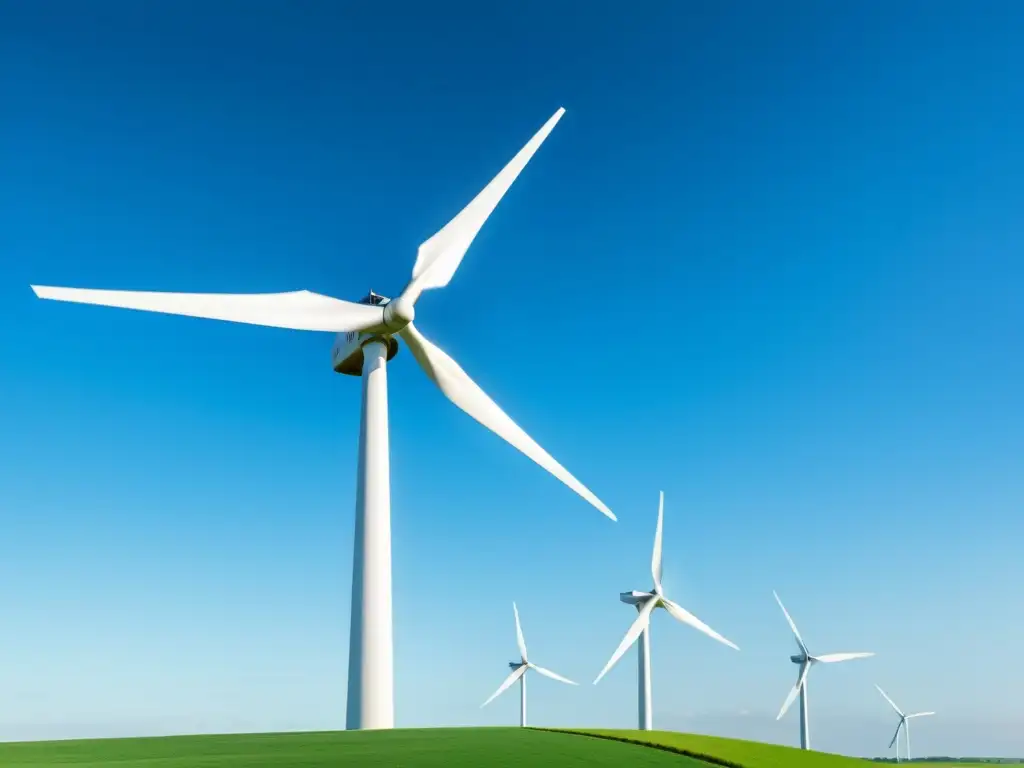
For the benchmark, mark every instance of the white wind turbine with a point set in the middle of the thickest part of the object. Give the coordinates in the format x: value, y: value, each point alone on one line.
x: 366, y: 340
x: 519, y: 669
x: 904, y: 724
x: 806, y: 661
x: 645, y: 603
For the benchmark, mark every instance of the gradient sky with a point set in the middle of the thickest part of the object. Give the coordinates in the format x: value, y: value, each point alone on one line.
x: 769, y: 262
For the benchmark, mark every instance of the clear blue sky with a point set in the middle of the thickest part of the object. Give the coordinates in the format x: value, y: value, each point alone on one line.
x: 770, y: 262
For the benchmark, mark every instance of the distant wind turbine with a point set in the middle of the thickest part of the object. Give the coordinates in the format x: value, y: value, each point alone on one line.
x: 806, y: 661
x: 904, y: 724
x: 519, y: 669
x: 645, y: 603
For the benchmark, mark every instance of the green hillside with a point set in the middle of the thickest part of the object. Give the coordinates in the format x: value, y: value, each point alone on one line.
x: 425, y: 748
x: 413, y: 748
x: 728, y: 752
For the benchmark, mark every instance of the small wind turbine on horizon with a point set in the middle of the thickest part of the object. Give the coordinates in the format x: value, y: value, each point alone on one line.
x: 806, y: 661
x: 904, y: 724
x: 367, y: 337
x: 519, y: 669
x: 645, y: 603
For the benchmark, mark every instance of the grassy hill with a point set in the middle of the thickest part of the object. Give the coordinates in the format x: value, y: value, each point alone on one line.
x: 419, y: 748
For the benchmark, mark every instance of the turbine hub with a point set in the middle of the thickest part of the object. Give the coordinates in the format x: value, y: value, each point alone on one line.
x: 398, y: 313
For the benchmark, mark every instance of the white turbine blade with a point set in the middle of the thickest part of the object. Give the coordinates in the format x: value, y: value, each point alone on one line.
x: 891, y: 702
x: 792, y: 625
x: 656, y: 556
x: 804, y: 668
x: 465, y: 393
x: 298, y: 310
x: 831, y: 658
x: 439, y: 257
x: 519, y: 672
x: 638, y: 626
x: 681, y: 614
x: 920, y: 714
x: 519, y: 634
x: 552, y: 675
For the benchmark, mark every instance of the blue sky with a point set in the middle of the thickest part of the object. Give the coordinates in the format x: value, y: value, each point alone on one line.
x: 769, y: 262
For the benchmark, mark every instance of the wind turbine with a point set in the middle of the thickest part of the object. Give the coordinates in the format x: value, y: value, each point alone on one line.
x: 806, y: 661
x: 904, y: 724
x: 366, y: 340
x: 645, y: 603
x: 519, y: 669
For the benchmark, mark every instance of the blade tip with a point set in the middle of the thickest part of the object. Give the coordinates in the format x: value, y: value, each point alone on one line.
x: 601, y: 507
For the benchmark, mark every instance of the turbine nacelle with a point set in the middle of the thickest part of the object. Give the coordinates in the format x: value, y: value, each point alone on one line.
x: 635, y: 597
x: 347, y: 352
x: 798, y: 659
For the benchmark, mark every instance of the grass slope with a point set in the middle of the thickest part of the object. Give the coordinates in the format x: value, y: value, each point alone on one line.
x: 727, y: 752
x: 412, y: 748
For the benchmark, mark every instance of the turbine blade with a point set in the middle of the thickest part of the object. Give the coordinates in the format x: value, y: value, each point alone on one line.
x: 896, y: 735
x: 519, y: 634
x: 465, y: 393
x: 831, y: 658
x: 516, y: 674
x: 638, y: 626
x: 804, y: 668
x: 792, y: 625
x: 439, y: 257
x: 297, y: 310
x: 920, y: 714
x: 656, y: 556
x: 681, y: 614
x: 891, y: 702
x: 552, y: 675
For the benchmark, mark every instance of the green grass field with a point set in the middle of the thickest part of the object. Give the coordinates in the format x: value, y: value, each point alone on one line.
x: 413, y: 748
x: 424, y: 748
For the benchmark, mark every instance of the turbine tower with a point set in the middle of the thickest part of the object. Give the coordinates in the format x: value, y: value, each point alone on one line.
x: 645, y: 603
x: 806, y: 661
x: 519, y: 669
x: 904, y: 724
x: 367, y: 337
